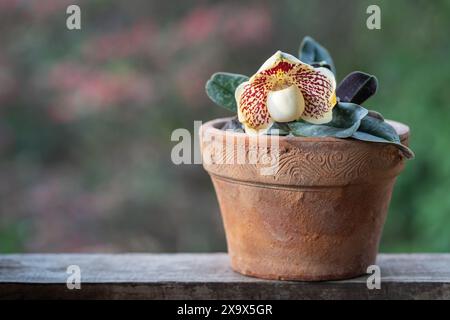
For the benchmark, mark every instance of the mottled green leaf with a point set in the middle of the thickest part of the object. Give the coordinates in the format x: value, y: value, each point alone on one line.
x: 376, y: 114
x: 312, y: 52
x: 221, y: 87
x: 346, y: 120
x: 364, y: 136
x: 379, y: 128
x: 373, y: 129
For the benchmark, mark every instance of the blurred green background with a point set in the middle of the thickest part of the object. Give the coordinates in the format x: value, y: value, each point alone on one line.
x: 86, y: 116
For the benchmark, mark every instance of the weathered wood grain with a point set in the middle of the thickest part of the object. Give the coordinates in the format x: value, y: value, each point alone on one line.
x: 207, y: 276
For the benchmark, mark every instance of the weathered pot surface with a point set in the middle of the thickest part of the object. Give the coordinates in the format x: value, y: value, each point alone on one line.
x: 316, y: 214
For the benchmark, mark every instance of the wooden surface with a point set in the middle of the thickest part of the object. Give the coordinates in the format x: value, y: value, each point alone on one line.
x: 207, y: 276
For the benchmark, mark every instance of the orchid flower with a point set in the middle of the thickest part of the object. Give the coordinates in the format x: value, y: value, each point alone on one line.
x: 285, y: 89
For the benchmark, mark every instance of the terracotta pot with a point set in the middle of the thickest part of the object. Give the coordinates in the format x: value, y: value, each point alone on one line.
x: 318, y: 216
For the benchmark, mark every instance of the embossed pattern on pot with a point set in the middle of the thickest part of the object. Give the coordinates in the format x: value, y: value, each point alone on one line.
x: 319, y: 217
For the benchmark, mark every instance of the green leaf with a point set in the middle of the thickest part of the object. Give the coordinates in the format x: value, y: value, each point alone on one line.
x: 379, y: 128
x: 311, y: 52
x: 373, y: 129
x: 346, y: 120
x: 376, y: 114
x: 364, y: 136
x: 221, y: 86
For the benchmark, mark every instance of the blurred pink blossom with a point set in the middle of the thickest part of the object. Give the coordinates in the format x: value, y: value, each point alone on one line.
x: 36, y: 9
x: 234, y: 24
x: 9, y: 5
x: 42, y: 9
x: 134, y: 40
x: 190, y: 80
x: 199, y: 24
x: 80, y: 90
x: 248, y: 25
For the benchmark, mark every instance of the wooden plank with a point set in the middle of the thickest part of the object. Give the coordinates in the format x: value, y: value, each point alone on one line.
x: 207, y: 276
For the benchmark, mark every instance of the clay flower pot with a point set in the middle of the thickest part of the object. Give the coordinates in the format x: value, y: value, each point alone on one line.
x: 318, y: 217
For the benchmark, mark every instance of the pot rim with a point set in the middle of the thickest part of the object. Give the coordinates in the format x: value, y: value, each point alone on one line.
x: 212, y: 126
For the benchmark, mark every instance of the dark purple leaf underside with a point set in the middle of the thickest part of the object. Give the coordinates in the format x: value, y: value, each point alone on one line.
x: 357, y: 87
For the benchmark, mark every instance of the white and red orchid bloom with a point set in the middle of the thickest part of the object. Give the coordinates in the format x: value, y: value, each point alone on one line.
x: 285, y: 89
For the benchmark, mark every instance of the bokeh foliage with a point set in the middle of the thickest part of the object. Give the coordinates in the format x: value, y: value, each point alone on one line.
x: 86, y: 116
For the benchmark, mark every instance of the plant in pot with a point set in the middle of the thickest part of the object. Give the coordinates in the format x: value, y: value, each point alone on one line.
x: 319, y: 212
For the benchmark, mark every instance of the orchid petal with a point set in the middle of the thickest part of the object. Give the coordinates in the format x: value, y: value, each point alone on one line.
x: 252, y: 104
x: 237, y: 95
x: 318, y: 87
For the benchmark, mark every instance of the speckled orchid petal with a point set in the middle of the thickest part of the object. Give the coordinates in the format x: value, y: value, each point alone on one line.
x: 318, y: 87
x: 252, y: 105
x: 237, y: 95
x: 293, y: 89
x: 242, y: 117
